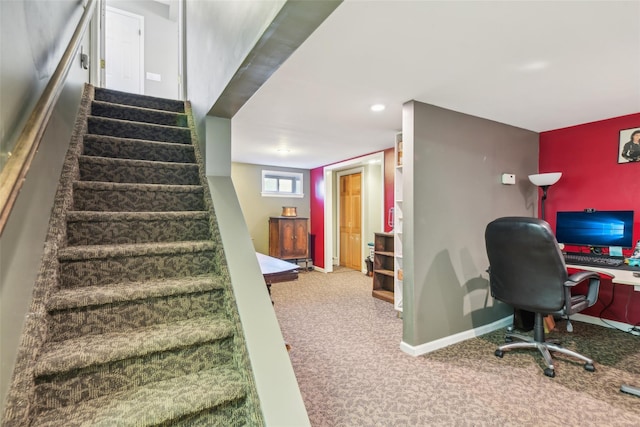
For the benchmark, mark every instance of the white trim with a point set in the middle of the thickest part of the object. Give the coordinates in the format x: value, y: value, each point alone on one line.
x: 597, y: 321
x: 502, y: 323
x: 328, y: 200
x: 96, y: 45
x: 296, y: 176
x: 182, y: 87
x: 456, y: 338
x: 290, y: 195
x: 328, y: 220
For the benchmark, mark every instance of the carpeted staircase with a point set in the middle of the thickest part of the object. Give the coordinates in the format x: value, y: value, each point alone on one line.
x: 133, y: 320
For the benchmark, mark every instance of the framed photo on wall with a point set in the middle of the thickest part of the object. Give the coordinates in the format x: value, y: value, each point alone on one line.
x: 629, y: 145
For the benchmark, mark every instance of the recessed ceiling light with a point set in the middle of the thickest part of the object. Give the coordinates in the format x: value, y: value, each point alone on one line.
x: 283, y: 150
x: 378, y: 107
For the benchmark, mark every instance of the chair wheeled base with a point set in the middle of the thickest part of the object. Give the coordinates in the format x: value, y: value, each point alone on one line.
x: 544, y: 347
x: 630, y: 390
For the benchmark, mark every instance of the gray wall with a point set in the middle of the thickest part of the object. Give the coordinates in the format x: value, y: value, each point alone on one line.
x: 28, y: 60
x: 247, y: 180
x: 160, y: 44
x: 30, y: 49
x: 452, y: 189
x: 219, y: 35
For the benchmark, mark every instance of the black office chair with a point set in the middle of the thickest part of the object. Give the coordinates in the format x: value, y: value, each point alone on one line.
x: 527, y: 271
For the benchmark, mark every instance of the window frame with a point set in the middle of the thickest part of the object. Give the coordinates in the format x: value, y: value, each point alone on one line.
x: 297, y: 179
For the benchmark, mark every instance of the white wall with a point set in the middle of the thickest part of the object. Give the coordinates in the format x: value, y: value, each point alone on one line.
x: 33, y: 36
x: 160, y: 44
x: 219, y: 35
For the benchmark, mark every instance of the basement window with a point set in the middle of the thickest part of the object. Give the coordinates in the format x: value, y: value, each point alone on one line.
x: 281, y: 184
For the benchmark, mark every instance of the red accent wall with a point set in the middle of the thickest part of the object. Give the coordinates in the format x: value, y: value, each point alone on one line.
x: 587, y: 156
x: 317, y: 204
x: 316, y: 220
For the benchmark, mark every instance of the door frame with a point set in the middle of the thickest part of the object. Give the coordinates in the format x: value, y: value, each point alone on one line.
x: 96, y: 72
x: 330, y: 201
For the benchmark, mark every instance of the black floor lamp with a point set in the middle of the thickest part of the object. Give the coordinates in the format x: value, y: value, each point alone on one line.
x: 544, y: 181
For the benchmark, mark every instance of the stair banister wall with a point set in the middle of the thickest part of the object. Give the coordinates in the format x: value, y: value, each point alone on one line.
x: 15, y: 170
x: 280, y: 398
x: 22, y: 241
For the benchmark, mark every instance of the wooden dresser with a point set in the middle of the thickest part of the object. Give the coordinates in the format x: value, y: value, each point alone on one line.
x: 289, y: 237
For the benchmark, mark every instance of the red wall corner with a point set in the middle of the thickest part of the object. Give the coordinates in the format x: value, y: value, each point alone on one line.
x: 587, y: 156
x: 317, y: 205
x: 317, y: 216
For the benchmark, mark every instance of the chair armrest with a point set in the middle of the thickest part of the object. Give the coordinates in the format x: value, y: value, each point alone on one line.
x: 581, y: 276
x: 594, y: 284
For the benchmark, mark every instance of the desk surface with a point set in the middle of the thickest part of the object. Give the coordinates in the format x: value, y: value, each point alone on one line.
x: 271, y: 265
x: 621, y: 275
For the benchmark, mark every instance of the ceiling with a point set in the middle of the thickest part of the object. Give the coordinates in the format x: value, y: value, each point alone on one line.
x: 537, y: 65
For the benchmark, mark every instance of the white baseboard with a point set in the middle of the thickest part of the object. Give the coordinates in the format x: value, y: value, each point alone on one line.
x: 597, y: 321
x: 502, y: 323
x: 452, y: 339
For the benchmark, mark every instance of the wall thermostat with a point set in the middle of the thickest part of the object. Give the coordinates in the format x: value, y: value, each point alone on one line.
x: 508, y: 178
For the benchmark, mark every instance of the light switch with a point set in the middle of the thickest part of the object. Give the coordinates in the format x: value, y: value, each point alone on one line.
x: 508, y: 178
x: 154, y: 77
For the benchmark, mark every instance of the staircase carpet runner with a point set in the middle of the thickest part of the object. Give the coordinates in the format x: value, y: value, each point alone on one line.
x: 133, y: 320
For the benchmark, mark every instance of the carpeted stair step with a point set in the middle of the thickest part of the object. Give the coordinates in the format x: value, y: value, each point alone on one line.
x: 121, y: 307
x: 137, y: 171
x: 137, y: 149
x: 143, y: 101
x: 80, y: 369
x: 207, y: 398
x: 138, y: 114
x: 126, y: 129
x: 107, y: 228
x: 114, y: 197
x: 105, y: 264
x: 136, y: 322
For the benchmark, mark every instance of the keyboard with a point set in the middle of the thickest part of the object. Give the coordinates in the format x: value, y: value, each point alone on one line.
x: 593, y: 259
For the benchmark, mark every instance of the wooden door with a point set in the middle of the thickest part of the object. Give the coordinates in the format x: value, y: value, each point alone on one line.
x: 350, y: 221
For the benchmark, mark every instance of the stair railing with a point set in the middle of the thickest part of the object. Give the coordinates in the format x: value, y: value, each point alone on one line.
x: 15, y: 170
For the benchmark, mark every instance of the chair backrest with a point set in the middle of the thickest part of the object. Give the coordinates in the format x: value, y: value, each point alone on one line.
x: 527, y: 269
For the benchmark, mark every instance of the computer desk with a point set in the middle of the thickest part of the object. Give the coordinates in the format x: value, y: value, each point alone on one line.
x: 623, y: 275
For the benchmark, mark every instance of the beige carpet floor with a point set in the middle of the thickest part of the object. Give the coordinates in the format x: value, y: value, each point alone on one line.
x: 345, y: 353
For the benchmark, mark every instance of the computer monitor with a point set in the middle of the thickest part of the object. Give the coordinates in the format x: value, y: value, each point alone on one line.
x: 595, y: 228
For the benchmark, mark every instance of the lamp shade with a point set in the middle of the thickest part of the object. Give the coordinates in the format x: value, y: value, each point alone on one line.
x: 545, y: 179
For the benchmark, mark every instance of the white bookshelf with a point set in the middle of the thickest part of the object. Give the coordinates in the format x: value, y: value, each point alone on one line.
x: 397, y: 226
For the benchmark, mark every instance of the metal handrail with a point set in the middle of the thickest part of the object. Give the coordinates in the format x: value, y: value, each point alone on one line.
x: 15, y: 170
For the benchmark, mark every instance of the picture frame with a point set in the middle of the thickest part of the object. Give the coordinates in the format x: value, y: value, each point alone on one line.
x: 629, y: 145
